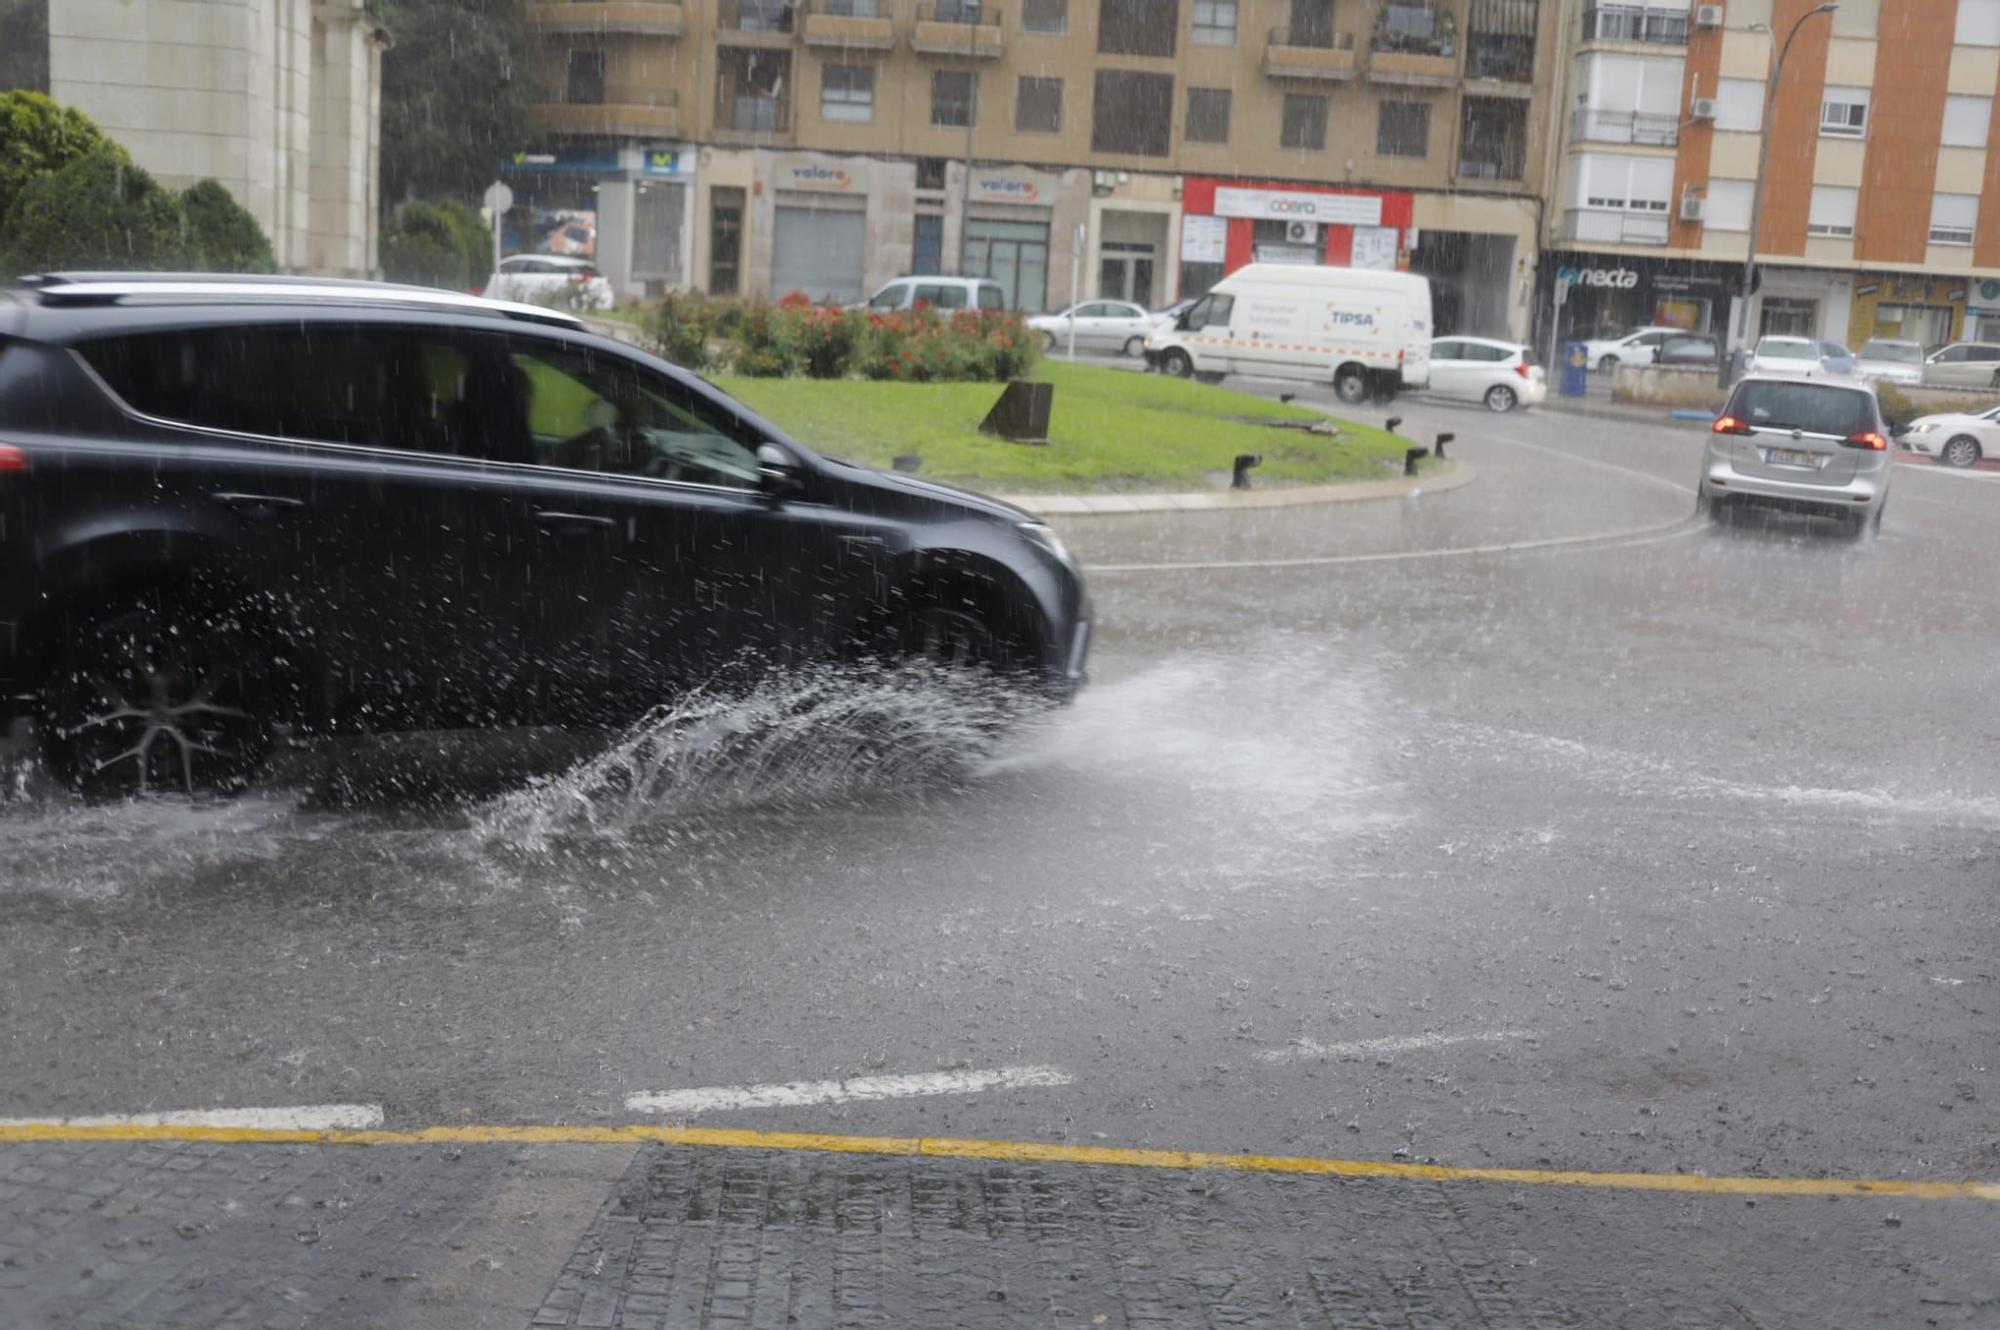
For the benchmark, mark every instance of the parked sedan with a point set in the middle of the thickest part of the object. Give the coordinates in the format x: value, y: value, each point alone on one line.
x: 1955, y: 438
x: 1889, y: 360
x: 1688, y: 352
x: 1100, y: 325
x: 1964, y: 365
x: 550, y: 279
x: 1631, y: 348
x: 1503, y: 375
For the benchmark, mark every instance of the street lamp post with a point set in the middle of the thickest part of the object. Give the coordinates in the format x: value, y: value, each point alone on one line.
x: 1734, y: 367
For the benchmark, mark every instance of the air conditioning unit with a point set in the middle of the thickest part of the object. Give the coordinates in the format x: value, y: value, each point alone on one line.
x: 1701, y: 108
x: 1694, y: 207
x: 1708, y: 16
x: 1302, y: 233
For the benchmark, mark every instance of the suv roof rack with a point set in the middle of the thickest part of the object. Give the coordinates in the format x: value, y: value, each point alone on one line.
x: 116, y: 288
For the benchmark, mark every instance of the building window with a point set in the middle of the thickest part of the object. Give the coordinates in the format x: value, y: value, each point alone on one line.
x: 1502, y: 41
x: 1038, y: 106
x: 586, y: 78
x: 1843, y: 112
x: 1137, y: 27
x: 927, y: 255
x: 930, y: 172
x: 1739, y: 105
x: 1953, y: 217
x: 24, y: 45
x: 1207, y: 115
x: 751, y: 89
x: 1403, y: 129
x: 1493, y: 143
x: 1728, y: 205
x: 854, y: 8
x: 847, y: 92
x: 1832, y: 211
x: 1049, y: 18
x: 1214, y: 23
x: 1304, y: 123
x: 953, y: 96
x: 1634, y: 23
x: 1978, y: 23
x: 1966, y: 119
x: 1132, y: 113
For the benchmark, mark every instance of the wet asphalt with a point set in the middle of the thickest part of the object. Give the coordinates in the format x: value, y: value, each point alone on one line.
x: 1527, y: 824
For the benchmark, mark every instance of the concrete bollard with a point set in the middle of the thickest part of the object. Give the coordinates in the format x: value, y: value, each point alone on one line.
x: 1240, y: 479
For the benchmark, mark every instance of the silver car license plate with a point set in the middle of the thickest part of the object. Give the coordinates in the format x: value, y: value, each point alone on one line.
x: 1793, y: 457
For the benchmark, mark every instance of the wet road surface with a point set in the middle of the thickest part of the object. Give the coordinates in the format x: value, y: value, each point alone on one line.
x: 1631, y: 847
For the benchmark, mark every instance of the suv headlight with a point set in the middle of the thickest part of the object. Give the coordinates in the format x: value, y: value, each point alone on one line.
x: 1042, y: 534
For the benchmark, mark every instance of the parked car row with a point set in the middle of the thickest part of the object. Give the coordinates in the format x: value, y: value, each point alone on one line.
x: 1883, y: 359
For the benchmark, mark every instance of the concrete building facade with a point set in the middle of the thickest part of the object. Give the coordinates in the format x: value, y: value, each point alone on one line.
x: 279, y: 100
x: 761, y: 146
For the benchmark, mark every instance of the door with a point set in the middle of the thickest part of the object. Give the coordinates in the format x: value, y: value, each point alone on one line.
x: 1092, y: 326
x: 1448, y: 366
x: 725, y: 240
x: 1014, y: 254
x: 820, y: 251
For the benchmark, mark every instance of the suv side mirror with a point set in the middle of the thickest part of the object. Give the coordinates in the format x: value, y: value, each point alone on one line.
x: 778, y: 470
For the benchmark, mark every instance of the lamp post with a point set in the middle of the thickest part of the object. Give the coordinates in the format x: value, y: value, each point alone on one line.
x: 1733, y: 370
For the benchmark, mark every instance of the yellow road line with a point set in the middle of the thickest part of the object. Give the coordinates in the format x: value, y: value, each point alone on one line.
x: 55, y: 1130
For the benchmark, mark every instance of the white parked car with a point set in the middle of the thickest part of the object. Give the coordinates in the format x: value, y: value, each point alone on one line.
x: 1955, y: 438
x: 544, y: 279
x: 1100, y: 325
x: 1629, y: 348
x: 1888, y: 359
x: 938, y: 292
x: 1503, y: 375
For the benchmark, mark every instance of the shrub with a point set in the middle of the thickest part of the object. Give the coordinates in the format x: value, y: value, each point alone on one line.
x: 39, y: 137
x: 437, y: 244
x: 99, y: 211
x: 1897, y: 408
x: 678, y: 328
x: 222, y: 236
x: 828, y: 339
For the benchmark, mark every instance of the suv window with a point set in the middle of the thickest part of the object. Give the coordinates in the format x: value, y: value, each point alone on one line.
x: 941, y: 295
x: 382, y: 387
x: 589, y: 412
x: 1813, y: 408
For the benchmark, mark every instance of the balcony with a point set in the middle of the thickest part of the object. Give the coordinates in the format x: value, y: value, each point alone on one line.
x: 958, y: 27
x: 1415, y: 45
x: 1635, y: 23
x: 1291, y: 54
x: 757, y: 22
x: 659, y: 116
x: 1652, y: 129
x: 755, y: 114
x: 1412, y: 68
x: 850, y: 25
x: 633, y: 18
x: 1614, y: 226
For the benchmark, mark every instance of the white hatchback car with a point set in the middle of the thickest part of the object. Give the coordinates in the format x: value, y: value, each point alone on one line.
x: 1099, y: 325
x: 1955, y: 438
x: 546, y: 279
x: 1503, y: 375
x: 1630, y: 348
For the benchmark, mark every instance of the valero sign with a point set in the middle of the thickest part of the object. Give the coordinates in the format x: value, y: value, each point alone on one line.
x: 812, y: 175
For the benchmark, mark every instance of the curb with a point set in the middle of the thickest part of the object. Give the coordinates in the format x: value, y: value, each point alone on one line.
x: 1630, y: 415
x: 1101, y: 505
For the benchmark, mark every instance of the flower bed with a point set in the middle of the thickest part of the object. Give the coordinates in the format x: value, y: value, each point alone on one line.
x: 797, y: 338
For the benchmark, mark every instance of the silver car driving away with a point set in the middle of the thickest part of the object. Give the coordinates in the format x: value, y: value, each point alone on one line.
x: 1787, y: 441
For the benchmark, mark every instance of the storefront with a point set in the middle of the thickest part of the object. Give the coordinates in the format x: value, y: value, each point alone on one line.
x: 1599, y: 295
x: 1917, y: 308
x: 1226, y: 224
x: 625, y: 206
x: 1019, y: 230
x: 819, y: 228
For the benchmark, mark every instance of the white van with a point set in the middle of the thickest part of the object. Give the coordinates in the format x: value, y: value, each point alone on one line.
x: 1366, y: 332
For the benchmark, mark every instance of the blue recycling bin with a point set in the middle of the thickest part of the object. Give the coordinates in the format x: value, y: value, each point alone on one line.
x: 1576, y: 370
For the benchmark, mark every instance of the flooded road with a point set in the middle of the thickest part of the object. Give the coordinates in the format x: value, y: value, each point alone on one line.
x: 1631, y: 846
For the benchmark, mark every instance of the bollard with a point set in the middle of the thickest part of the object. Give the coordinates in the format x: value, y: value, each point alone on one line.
x: 1413, y: 456
x: 908, y: 463
x: 1442, y: 440
x: 1391, y: 423
x: 1244, y: 461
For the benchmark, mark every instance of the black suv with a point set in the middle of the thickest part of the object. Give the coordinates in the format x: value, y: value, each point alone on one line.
x: 229, y: 505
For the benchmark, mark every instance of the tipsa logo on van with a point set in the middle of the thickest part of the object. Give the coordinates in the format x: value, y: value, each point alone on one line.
x: 1341, y: 318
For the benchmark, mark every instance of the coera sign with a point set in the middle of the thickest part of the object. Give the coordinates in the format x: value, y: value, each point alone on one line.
x: 1623, y: 279
x: 1299, y: 206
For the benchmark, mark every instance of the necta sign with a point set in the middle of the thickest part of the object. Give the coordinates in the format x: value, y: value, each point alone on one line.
x: 1297, y: 206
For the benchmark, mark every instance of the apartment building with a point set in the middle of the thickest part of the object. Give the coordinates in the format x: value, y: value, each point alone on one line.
x: 279, y: 100
x: 764, y: 146
x: 1882, y: 200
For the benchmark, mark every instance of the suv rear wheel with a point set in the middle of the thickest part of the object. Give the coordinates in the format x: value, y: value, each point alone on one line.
x: 154, y: 695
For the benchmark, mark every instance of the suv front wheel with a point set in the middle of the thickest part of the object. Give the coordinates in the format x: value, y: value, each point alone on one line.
x: 156, y: 694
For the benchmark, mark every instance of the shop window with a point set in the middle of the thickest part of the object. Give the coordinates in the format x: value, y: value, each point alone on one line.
x: 1214, y: 23
x: 847, y: 92
x: 1843, y: 112
x: 1197, y: 278
x: 1788, y: 316
x: 1038, y: 106
x: 1304, y: 123
x: 953, y: 92
x: 1137, y: 27
x: 927, y: 255
x: 1403, y: 129
x: 1049, y: 18
x: 1132, y: 113
x: 1207, y: 115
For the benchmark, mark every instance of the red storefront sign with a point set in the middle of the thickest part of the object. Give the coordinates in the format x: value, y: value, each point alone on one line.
x: 1337, y: 211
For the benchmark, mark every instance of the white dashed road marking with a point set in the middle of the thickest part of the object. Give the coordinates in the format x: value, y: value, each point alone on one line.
x: 722, y: 1098
x: 1310, y: 1050
x: 306, y: 1117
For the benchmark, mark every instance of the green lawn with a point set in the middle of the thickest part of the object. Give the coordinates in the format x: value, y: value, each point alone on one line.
x: 1111, y: 430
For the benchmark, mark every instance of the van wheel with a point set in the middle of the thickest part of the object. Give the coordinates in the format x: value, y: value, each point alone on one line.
x: 1501, y: 398
x: 1962, y: 451
x: 1177, y: 363
x: 159, y: 695
x: 1351, y: 385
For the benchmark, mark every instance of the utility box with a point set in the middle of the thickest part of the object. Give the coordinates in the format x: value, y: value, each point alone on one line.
x: 1576, y: 370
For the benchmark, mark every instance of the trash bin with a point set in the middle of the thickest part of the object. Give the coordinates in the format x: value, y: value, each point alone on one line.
x: 1576, y: 370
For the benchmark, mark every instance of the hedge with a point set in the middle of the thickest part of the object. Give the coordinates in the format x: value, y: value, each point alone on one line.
x: 796, y: 338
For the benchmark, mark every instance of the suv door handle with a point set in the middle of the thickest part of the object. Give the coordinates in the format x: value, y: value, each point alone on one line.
x: 555, y: 523
x: 252, y: 503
